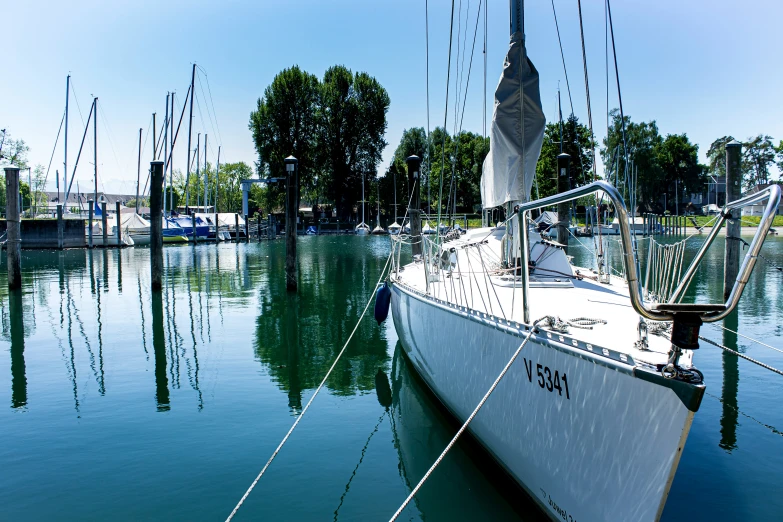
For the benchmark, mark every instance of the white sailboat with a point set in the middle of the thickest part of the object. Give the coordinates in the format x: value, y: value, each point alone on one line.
x: 378, y: 228
x: 362, y: 229
x: 592, y: 418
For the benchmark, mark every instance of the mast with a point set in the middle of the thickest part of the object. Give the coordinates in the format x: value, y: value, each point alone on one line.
x: 171, y: 158
x: 217, y: 181
x: 560, y: 115
x: 190, y: 136
x: 362, y: 197
x: 198, y: 157
x: 165, y: 149
x: 95, y: 149
x: 154, y: 138
x: 206, y: 172
x: 65, y: 161
x: 138, y: 174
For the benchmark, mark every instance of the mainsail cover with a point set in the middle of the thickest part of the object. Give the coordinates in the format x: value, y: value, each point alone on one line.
x: 517, y: 130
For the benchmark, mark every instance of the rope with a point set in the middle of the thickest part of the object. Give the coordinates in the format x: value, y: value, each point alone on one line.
x: 746, y: 244
x: 467, y: 422
x: 742, y: 356
x: 315, y: 394
x: 750, y: 338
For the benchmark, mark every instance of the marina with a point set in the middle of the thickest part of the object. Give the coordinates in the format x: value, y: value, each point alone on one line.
x: 390, y: 288
x: 194, y: 396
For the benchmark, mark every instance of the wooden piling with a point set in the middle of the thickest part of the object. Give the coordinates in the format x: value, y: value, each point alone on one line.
x: 156, y: 224
x: 247, y: 230
x: 105, y: 224
x: 60, y: 228
x: 563, y: 209
x: 414, y: 211
x: 258, y: 225
x: 291, y: 211
x: 270, y: 231
x: 119, y: 223
x: 217, y: 228
x: 13, y: 228
x: 90, y: 215
x: 236, y: 227
x: 733, y: 182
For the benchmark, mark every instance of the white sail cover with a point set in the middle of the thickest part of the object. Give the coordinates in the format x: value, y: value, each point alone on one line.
x: 517, y: 130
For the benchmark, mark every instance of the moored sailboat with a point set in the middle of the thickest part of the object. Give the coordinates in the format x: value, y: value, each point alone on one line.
x: 592, y: 417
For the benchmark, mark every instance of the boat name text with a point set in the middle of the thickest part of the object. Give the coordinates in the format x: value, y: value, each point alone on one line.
x: 547, y: 379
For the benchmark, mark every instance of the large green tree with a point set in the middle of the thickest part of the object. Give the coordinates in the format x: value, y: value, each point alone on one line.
x: 682, y: 173
x: 285, y: 123
x: 716, y: 156
x: 577, y: 144
x: 352, y: 112
x: 758, y: 155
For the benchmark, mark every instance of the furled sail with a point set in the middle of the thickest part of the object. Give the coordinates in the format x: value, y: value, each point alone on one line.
x: 517, y: 130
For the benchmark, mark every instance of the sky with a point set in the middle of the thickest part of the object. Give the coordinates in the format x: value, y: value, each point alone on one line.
x: 704, y: 68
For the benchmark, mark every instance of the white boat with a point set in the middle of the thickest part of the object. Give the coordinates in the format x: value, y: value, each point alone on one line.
x: 394, y: 228
x: 592, y: 417
x: 111, y: 236
x: 362, y: 229
x: 378, y: 230
x: 427, y: 229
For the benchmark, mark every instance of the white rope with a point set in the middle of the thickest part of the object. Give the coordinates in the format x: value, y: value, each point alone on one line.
x: 304, y: 410
x: 749, y: 338
x: 467, y: 422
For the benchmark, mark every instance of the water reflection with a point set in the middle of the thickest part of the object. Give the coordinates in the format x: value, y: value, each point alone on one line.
x: 159, y: 347
x: 18, y: 372
x: 730, y: 412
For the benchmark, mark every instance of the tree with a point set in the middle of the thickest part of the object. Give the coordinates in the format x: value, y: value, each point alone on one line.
x: 285, y: 123
x: 12, y: 152
x: 679, y: 161
x: 716, y: 155
x: 779, y: 153
x: 642, y: 141
x: 759, y: 154
x: 352, y: 124
x: 577, y: 144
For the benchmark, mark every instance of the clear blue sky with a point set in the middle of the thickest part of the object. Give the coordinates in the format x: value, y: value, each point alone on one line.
x: 706, y: 68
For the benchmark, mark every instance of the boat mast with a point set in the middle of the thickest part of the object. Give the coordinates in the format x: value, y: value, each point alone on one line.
x: 138, y: 174
x: 560, y: 115
x: 154, y: 138
x: 206, y: 171
x: 65, y: 161
x: 217, y: 181
x: 362, y: 197
x: 166, y: 149
x: 95, y: 149
x: 198, y: 157
x: 190, y: 136
x: 171, y: 158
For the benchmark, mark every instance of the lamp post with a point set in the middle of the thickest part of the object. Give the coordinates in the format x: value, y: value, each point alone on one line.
x: 291, y: 211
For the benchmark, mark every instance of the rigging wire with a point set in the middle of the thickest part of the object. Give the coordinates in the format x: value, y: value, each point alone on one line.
x: 445, y: 122
x: 562, y: 57
x: 54, y: 149
x: 209, y: 90
x: 587, y: 86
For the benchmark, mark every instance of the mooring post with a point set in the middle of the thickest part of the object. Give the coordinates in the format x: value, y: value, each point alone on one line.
x: 270, y: 232
x: 414, y: 178
x: 733, y: 179
x: 60, y: 227
x: 90, y: 214
x: 193, y: 225
x: 217, y: 228
x: 105, y: 224
x: 291, y: 210
x: 13, y: 228
x: 563, y: 209
x: 247, y: 230
x: 236, y: 227
x: 258, y: 226
x: 156, y: 224
x: 119, y: 223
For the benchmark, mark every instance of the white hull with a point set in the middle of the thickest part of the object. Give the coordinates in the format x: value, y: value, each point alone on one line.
x: 604, y: 448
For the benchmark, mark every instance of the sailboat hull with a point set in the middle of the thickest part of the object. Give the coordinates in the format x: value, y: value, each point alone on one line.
x: 604, y: 446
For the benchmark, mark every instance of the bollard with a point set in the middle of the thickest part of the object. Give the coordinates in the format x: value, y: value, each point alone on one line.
x: 119, y: 223
x: 156, y: 224
x: 733, y: 180
x: 90, y: 214
x: 105, y: 223
x: 13, y: 228
x: 291, y: 210
x: 193, y: 224
x: 563, y: 209
x: 60, y: 227
x: 414, y: 167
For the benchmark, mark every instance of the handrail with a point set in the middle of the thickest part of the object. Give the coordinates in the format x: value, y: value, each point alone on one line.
x: 771, y: 193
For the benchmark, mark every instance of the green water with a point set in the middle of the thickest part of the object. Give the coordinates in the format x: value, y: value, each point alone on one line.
x: 119, y: 404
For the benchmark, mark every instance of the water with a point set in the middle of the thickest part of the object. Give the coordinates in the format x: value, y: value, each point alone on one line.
x: 115, y: 403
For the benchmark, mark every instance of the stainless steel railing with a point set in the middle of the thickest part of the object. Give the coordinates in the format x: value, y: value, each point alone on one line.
x: 771, y: 194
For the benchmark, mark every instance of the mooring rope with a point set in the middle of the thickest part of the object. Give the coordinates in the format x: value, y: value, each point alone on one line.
x: 749, y: 338
x: 742, y: 356
x: 304, y: 410
x: 467, y: 422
